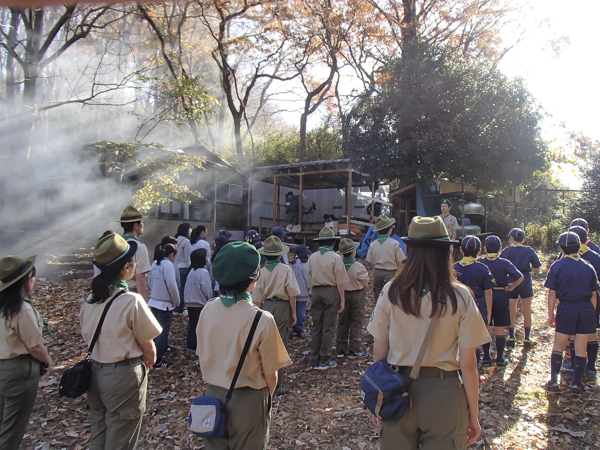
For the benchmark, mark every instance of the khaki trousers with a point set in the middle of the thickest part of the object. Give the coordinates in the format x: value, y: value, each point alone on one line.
x: 18, y: 387
x: 437, y: 419
x: 380, y: 278
x: 248, y: 419
x: 282, y: 311
x: 117, y: 401
x: 325, y: 304
x: 351, y: 322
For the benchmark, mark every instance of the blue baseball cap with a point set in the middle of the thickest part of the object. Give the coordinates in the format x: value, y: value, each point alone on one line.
x: 471, y: 243
x: 301, y: 251
x: 581, y: 232
x: 225, y: 233
x: 568, y: 239
x: 252, y: 236
x: 517, y: 233
x: 278, y: 231
x: 579, y: 222
x: 493, y: 243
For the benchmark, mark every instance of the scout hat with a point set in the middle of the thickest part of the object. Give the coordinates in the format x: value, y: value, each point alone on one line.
x: 325, y: 234
x: 568, y: 239
x: 471, y: 243
x: 278, y: 231
x: 493, y: 243
x: 302, y: 251
x: 273, y: 247
x: 113, y: 250
x: 130, y: 214
x: 517, y: 233
x: 580, y: 222
x: 13, y: 268
x: 445, y: 201
x: 252, y: 236
x: 347, y: 246
x: 383, y: 222
x: 235, y: 263
x: 428, y: 231
x: 581, y: 232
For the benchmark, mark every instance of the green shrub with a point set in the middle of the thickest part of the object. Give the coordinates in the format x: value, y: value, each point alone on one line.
x: 499, y: 224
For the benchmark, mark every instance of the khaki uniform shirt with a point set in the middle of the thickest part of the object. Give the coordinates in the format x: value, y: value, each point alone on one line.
x: 281, y: 283
x: 326, y: 270
x: 128, y: 323
x: 20, y: 333
x: 451, y: 223
x: 222, y: 332
x: 386, y: 256
x: 358, y: 278
x: 405, y: 333
x: 142, y: 262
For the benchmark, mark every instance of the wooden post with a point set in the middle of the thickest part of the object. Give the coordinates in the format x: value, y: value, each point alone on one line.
x: 274, y: 200
x: 349, y: 201
x: 300, y: 205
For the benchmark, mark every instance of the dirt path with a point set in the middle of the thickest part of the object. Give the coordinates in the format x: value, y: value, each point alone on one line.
x: 324, y: 409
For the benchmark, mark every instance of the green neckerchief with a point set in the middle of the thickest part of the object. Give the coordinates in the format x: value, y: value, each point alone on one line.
x: 583, y: 248
x: 129, y: 236
x: 348, y: 261
x: 382, y: 238
x: 230, y: 299
x: 516, y: 244
x: 120, y: 284
x: 492, y: 256
x: 270, y: 265
x: 573, y: 256
x: 46, y: 327
x: 467, y: 260
x: 324, y: 249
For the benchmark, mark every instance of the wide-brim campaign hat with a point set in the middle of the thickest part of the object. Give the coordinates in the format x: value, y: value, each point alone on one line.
x: 471, y: 242
x: 347, y: 246
x: 131, y: 214
x: 383, y: 222
x: 568, y: 239
x: 325, y: 234
x: 13, y: 268
x: 235, y: 262
x: 113, y: 250
x: 273, y: 247
x: 428, y: 231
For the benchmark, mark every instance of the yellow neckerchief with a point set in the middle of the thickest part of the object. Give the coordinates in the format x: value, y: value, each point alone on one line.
x: 573, y: 256
x: 516, y: 244
x: 492, y: 256
x: 583, y: 248
x: 467, y: 260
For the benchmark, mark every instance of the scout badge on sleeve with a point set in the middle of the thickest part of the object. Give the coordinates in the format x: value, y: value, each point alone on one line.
x: 208, y: 416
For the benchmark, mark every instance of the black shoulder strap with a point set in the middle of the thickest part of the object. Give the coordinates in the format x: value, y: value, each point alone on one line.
x: 106, y: 308
x: 243, y: 356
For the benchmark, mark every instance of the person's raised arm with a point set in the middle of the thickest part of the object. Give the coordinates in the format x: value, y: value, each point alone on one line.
x: 468, y: 367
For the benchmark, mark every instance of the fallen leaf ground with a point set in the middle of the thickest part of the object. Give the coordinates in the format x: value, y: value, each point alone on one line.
x: 323, y: 409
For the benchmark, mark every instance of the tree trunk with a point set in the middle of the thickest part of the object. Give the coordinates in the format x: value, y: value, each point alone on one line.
x: 303, y: 120
x: 237, y: 131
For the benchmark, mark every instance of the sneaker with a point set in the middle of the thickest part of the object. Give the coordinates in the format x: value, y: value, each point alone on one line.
x: 190, y: 351
x: 567, y: 368
x: 185, y: 312
x: 340, y: 353
x: 172, y: 348
x: 162, y: 364
x: 500, y: 362
x: 551, y: 388
x: 591, y: 373
x: 511, y: 342
x: 361, y: 354
x: 281, y: 390
x: 575, y: 391
x: 486, y: 363
x: 320, y: 367
x: 528, y: 343
x: 331, y: 363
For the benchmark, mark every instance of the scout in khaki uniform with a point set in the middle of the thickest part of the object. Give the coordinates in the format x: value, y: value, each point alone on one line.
x: 21, y: 349
x: 327, y: 275
x: 222, y: 332
x: 449, y: 220
x: 124, y: 351
x: 276, y: 291
x: 385, y: 254
x: 351, y: 319
x: 133, y: 227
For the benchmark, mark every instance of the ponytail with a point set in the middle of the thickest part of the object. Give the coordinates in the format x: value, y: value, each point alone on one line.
x: 162, y: 251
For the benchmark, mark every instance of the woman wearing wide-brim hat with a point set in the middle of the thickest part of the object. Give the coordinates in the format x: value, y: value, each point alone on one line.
x: 21, y: 349
x: 443, y: 412
x: 124, y: 350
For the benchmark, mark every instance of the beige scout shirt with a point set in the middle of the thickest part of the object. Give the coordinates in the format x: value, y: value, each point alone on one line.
x: 326, y: 270
x: 222, y: 332
x: 142, y: 262
x: 386, y: 256
x: 128, y: 323
x: 281, y: 283
x: 358, y: 278
x: 20, y: 333
x: 405, y: 333
x: 450, y: 222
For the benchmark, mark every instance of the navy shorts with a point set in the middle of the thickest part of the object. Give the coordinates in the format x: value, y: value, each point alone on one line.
x: 523, y: 290
x: 481, y: 305
x: 500, y: 309
x: 575, y: 318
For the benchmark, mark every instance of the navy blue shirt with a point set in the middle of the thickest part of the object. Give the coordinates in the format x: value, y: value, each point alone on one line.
x: 503, y: 271
x: 593, y: 258
x: 523, y: 258
x: 593, y: 247
x: 476, y: 276
x: 573, y: 281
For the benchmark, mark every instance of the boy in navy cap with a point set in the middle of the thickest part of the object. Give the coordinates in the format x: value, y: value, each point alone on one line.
x: 525, y: 259
x: 572, y: 281
x: 584, y: 224
x: 478, y: 278
x: 507, y: 277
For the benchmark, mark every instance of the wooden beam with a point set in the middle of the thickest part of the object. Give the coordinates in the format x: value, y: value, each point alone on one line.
x: 274, y: 200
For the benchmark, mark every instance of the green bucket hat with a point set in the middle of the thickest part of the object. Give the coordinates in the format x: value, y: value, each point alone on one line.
x: 13, y: 268
x: 273, y: 247
x: 347, y: 246
x: 130, y: 214
x: 112, y: 250
x: 383, y: 222
x: 326, y: 233
x: 428, y: 231
x: 235, y: 262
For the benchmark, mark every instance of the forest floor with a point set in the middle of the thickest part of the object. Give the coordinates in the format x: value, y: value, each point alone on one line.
x: 324, y: 408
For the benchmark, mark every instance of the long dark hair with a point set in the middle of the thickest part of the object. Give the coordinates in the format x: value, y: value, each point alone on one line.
x: 183, y: 230
x: 196, y: 233
x: 105, y: 282
x: 198, y: 258
x: 11, y: 298
x: 162, y: 251
x: 425, y: 266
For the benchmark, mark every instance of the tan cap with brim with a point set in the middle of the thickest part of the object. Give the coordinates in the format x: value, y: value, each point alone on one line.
x: 273, y: 247
x: 13, y: 268
x: 131, y: 214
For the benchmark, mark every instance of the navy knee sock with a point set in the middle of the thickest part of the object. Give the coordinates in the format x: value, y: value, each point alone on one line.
x: 478, y: 355
x: 511, y: 332
x: 527, y: 332
x: 592, y: 355
x: 486, y: 352
x: 580, y: 362
x: 572, y: 352
x: 555, y: 363
x: 500, y: 344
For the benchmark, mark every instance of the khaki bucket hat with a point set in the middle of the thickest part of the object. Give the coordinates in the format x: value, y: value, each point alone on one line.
x: 347, y: 246
x: 273, y: 247
x: 383, y: 222
x: 13, y: 268
x: 131, y: 214
x: 428, y: 231
x: 326, y: 233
